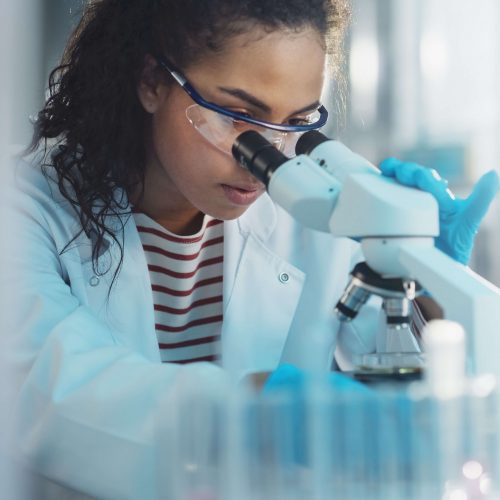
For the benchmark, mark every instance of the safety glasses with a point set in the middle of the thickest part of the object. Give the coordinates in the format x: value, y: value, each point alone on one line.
x: 221, y: 126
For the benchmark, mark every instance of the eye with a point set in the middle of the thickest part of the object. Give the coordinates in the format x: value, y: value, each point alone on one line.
x: 306, y: 120
x: 240, y: 124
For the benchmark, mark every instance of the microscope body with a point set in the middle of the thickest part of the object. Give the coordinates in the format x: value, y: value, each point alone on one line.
x: 329, y: 188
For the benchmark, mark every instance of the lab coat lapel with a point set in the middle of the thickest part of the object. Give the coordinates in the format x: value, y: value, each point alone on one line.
x: 261, y: 292
x: 135, y: 287
x: 132, y: 326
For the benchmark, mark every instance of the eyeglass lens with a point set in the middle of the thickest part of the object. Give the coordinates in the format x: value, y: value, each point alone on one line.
x: 222, y: 131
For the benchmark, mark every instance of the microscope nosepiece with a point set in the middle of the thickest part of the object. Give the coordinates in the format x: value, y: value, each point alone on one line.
x: 352, y: 300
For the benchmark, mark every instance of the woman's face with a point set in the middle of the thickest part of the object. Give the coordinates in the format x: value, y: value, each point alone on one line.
x: 269, y: 77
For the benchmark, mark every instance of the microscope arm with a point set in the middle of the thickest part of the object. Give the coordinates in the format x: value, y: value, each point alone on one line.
x: 465, y: 297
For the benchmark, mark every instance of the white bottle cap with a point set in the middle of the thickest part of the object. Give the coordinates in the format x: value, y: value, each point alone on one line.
x: 444, y: 343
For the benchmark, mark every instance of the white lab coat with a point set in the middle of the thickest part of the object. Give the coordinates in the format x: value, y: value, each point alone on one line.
x: 92, y: 389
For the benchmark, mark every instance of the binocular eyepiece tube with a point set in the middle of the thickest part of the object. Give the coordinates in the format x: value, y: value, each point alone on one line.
x: 262, y: 159
x: 257, y: 155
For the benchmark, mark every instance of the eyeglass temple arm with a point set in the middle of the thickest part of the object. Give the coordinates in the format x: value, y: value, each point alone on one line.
x: 176, y: 74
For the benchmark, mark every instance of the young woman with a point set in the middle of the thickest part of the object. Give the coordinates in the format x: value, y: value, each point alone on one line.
x: 143, y: 250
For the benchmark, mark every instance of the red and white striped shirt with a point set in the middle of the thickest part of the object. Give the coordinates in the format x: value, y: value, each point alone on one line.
x: 186, y: 280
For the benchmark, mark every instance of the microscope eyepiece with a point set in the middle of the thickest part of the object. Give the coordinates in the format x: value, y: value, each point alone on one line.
x: 258, y: 155
x: 308, y: 141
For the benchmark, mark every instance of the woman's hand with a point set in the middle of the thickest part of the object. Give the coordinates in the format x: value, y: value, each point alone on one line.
x: 292, y: 378
x: 459, y: 219
x: 292, y: 387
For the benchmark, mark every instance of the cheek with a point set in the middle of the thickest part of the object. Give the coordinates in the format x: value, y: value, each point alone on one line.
x: 186, y: 157
x: 172, y: 137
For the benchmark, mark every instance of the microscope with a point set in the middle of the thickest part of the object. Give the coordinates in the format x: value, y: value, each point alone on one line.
x: 329, y: 188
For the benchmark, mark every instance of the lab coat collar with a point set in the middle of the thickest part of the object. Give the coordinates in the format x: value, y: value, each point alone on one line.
x: 258, y: 221
x: 260, y: 218
x: 256, y: 280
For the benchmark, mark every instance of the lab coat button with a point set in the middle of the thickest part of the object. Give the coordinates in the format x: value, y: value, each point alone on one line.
x: 283, y: 277
x: 94, y: 281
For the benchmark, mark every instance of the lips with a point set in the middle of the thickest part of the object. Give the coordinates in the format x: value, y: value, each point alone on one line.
x: 246, y: 187
x: 242, y: 194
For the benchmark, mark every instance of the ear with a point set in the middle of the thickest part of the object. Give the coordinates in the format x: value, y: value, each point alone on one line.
x: 151, y: 88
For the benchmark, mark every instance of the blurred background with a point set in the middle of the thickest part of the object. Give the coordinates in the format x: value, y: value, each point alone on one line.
x: 423, y: 84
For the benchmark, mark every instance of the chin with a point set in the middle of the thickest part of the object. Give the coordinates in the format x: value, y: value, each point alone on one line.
x: 228, y: 214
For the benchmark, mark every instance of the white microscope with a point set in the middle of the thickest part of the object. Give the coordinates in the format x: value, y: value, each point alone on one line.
x: 329, y: 188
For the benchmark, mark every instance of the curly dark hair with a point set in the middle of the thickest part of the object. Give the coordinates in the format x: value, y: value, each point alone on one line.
x: 93, y: 126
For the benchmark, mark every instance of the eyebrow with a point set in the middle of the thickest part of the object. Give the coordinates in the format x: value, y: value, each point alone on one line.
x: 250, y: 99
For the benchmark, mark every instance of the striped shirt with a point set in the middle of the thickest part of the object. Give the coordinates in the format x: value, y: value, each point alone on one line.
x: 186, y: 281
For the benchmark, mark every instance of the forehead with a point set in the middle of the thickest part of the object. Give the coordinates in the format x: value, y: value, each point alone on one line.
x: 282, y: 67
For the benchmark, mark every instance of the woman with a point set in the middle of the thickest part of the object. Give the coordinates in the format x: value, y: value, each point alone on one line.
x: 144, y: 249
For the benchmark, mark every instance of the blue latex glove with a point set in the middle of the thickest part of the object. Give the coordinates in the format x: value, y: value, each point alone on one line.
x: 290, y: 381
x: 459, y: 219
x: 292, y: 378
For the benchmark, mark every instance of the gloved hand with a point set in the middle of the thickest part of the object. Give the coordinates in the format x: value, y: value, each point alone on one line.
x: 293, y: 378
x: 289, y: 386
x: 459, y: 219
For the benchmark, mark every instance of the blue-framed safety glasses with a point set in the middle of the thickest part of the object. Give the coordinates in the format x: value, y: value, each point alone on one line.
x: 221, y: 126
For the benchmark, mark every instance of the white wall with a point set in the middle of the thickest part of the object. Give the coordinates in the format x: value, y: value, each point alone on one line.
x: 21, y: 74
